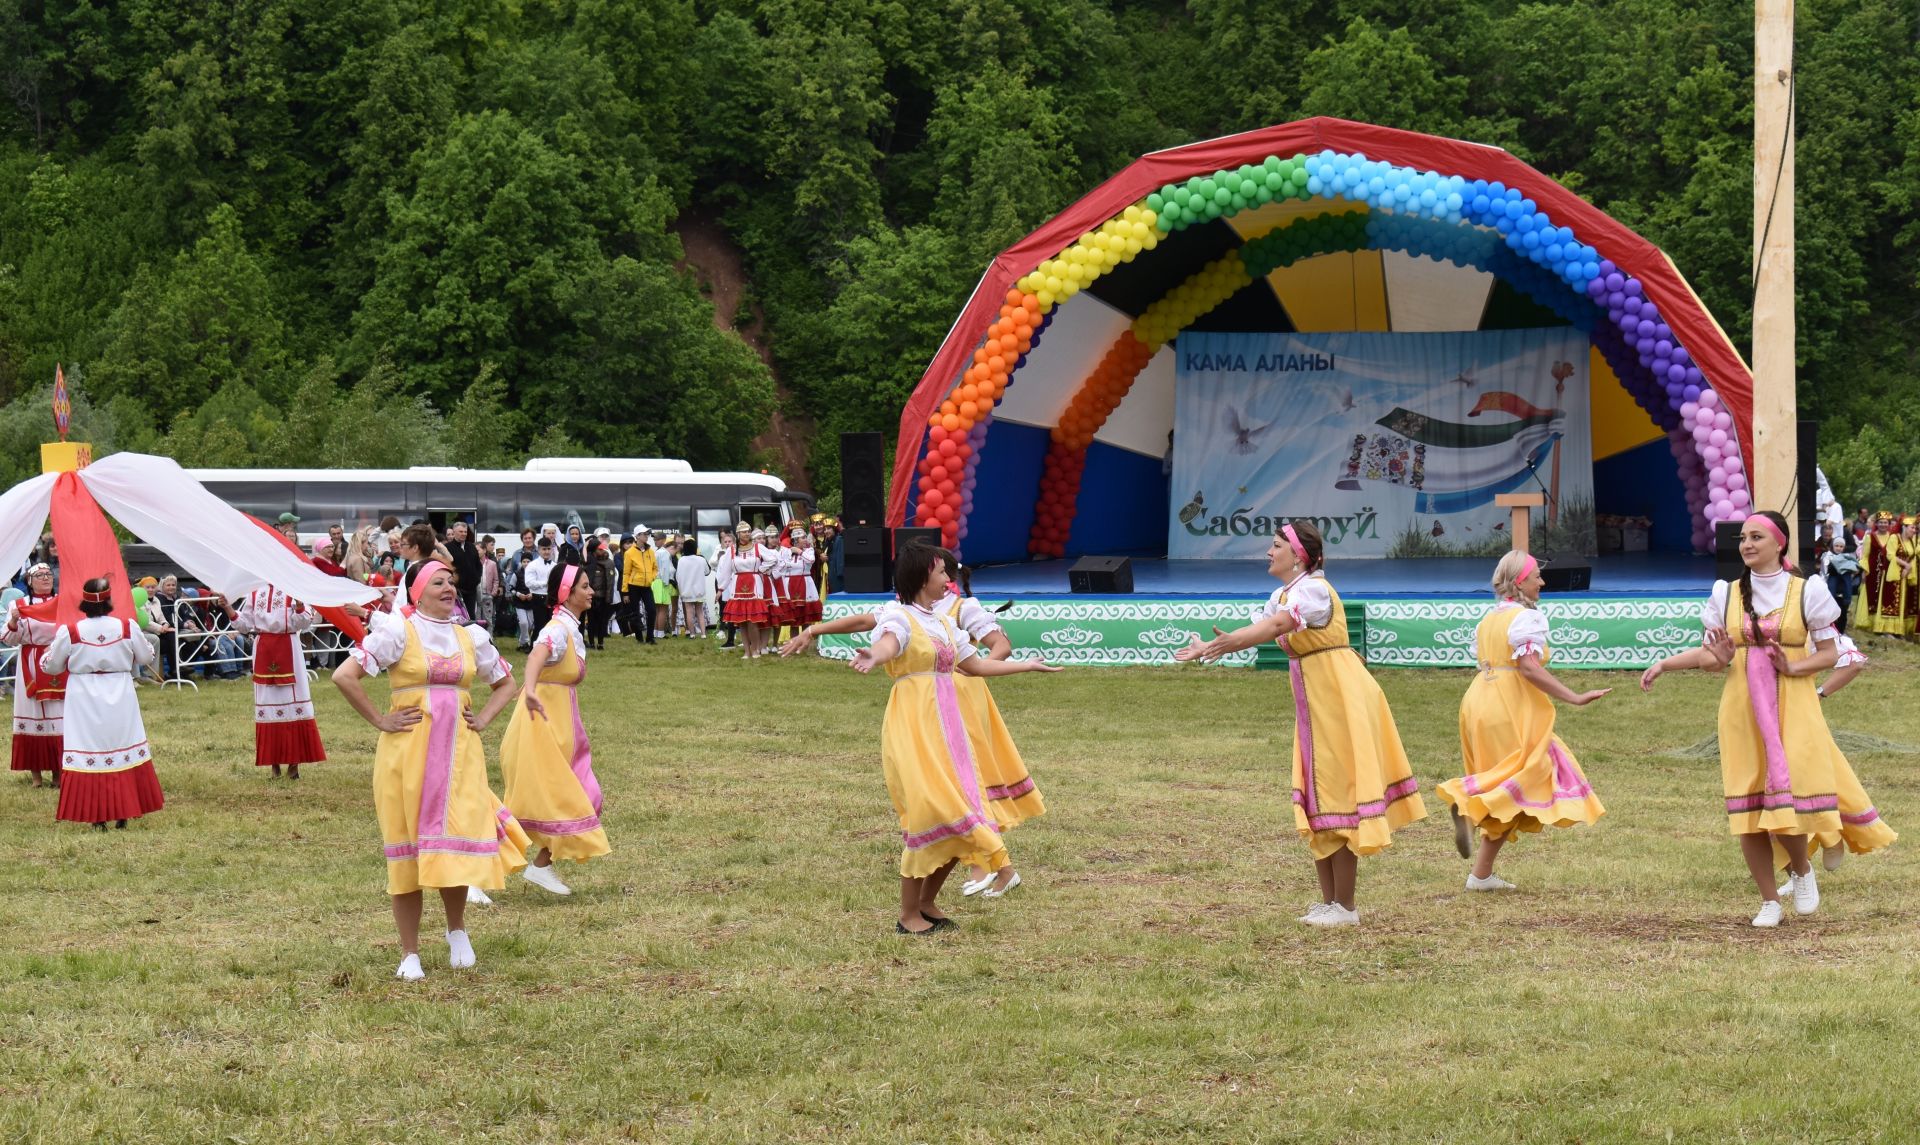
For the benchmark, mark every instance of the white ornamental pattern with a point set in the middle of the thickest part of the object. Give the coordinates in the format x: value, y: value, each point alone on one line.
x: 1590, y: 633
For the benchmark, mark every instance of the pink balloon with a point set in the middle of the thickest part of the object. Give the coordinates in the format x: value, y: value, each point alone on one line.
x: 1736, y: 481
x: 1722, y: 510
x: 1722, y: 419
x: 1688, y: 409
x: 1709, y: 399
x: 1717, y: 493
x: 1711, y: 454
x: 1739, y: 498
x: 1716, y: 437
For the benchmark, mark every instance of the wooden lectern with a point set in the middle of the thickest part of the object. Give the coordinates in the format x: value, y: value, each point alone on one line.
x: 1523, y: 505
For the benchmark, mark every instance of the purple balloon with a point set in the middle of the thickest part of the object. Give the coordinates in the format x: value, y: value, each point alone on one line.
x: 1696, y: 393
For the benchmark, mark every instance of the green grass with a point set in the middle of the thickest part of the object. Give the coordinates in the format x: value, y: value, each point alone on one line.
x: 220, y: 972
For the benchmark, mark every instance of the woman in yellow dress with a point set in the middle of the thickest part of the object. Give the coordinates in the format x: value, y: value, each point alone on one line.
x: 932, y: 774
x: 545, y: 759
x: 1352, y: 784
x: 1012, y: 796
x: 1780, y: 769
x: 440, y: 823
x: 1520, y: 776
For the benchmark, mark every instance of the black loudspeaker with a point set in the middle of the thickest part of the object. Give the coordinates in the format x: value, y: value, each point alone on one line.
x: 864, y: 558
x: 1565, y: 573
x: 1110, y: 575
x: 1807, y: 529
x: 862, y: 482
x: 914, y: 534
x: 1727, y: 564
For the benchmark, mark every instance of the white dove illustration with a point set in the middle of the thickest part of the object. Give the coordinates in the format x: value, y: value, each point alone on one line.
x: 1244, y: 436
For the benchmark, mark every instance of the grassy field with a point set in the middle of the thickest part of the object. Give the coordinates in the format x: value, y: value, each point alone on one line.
x: 221, y: 972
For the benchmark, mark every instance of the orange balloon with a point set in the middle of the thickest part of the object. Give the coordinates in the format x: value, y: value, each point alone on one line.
x: 1031, y: 302
x: 949, y: 406
x: 933, y: 422
x: 997, y: 363
x: 980, y: 355
x: 1021, y: 315
x: 1014, y: 296
x: 1022, y: 331
x: 986, y: 391
x: 969, y: 393
x: 969, y: 411
x: 950, y: 422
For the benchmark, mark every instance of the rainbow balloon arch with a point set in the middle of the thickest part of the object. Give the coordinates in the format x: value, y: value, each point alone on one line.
x: 1374, y: 189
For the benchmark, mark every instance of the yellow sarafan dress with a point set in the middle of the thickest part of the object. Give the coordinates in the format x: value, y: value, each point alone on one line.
x: 926, y: 753
x: 1781, y: 770
x: 1352, y: 784
x: 441, y: 824
x: 547, y: 762
x: 1520, y: 776
x: 1011, y: 795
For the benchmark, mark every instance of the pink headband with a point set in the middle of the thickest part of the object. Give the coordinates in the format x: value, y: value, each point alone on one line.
x: 1293, y: 542
x: 1527, y: 569
x: 421, y: 578
x: 1774, y: 531
x: 567, y: 578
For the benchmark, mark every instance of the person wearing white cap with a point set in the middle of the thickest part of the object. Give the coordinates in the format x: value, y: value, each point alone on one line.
x: 637, y: 570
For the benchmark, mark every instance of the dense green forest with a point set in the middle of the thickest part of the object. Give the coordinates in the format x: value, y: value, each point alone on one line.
x: 314, y: 232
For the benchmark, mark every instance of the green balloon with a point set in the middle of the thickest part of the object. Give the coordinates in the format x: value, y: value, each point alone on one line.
x: 1231, y: 181
x: 1207, y: 188
x: 1272, y: 163
x: 139, y: 599
x: 1237, y: 204
x: 1222, y: 196
x: 1155, y: 202
x: 1213, y: 210
x: 1261, y: 194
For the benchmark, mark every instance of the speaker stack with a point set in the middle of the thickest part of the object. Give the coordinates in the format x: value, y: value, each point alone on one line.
x: 862, y: 483
x: 1807, y: 529
x: 1565, y: 572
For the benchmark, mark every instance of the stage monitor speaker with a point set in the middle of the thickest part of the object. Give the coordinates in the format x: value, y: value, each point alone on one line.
x: 863, y: 482
x: 864, y: 560
x: 1110, y: 575
x: 1727, y: 564
x: 1807, y: 529
x: 914, y: 534
x: 1565, y: 572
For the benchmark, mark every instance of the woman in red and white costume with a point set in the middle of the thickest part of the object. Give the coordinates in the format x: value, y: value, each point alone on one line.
x: 37, y: 693
x: 109, y: 769
x: 284, y: 731
x: 799, y: 595
x: 754, y: 599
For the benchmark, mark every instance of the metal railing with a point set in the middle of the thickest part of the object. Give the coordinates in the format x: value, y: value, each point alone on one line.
x: 205, y: 641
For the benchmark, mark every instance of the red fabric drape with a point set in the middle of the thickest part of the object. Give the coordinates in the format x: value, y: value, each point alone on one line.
x: 338, y: 617
x: 87, y: 548
x: 1680, y: 308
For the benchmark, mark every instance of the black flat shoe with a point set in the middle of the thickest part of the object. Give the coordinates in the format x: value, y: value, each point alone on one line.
x: 901, y: 928
x: 100, y: 827
x: 120, y: 825
x: 942, y: 923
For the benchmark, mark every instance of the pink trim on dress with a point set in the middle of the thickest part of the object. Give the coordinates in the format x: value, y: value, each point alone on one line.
x: 1303, y: 734
x: 1374, y: 810
x: 1762, y: 693
x: 582, y: 761
x: 578, y: 826
x: 995, y: 794
x: 953, y: 730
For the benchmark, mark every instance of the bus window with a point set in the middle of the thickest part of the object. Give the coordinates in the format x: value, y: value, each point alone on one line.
x: 761, y: 516
x: 591, y: 505
x: 499, y: 510
x: 671, y: 518
x: 264, y: 499
x: 351, y: 504
x: 713, y: 518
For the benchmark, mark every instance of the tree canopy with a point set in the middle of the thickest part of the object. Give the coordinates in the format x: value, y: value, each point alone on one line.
x: 389, y: 231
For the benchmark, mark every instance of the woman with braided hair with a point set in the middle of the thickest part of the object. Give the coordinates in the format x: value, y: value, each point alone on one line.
x: 105, y: 757
x: 1781, y: 771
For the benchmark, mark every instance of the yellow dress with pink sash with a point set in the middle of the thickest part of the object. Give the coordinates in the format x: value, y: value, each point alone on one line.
x: 928, y: 758
x: 1520, y: 776
x: 1352, y: 784
x: 1781, y: 771
x: 546, y: 761
x: 1012, y: 796
x: 440, y: 824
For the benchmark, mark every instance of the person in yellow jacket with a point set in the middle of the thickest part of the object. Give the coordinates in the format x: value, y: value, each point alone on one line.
x: 637, y: 572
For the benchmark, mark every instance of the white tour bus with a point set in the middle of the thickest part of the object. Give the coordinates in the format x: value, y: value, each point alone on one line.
x: 618, y: 493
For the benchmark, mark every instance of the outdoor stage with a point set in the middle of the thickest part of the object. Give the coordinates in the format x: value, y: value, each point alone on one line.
x: 1412, y: 613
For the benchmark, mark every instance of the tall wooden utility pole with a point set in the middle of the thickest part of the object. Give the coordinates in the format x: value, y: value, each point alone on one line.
x: 1772, y: 468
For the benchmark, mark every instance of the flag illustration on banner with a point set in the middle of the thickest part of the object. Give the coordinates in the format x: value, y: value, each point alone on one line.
x: 1456, y: 466
x: 62, y: 408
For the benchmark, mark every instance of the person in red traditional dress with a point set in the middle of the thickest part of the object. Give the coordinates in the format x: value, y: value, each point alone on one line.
x: 37, y: 693
x: 1880, y: 588
x: 1910, y: 591
x: 108, y: 766
x: 753, y: 603
x: 284, y: 731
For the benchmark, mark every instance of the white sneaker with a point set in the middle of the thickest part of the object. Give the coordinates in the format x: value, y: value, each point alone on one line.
x: 993, y: 892
x: 1313, y: 912
x: 459, y: 950
x: 545, y: 878
x: 1490, y: 883
x: 410, y: 969
x: 477, y: 897
x: 1769, y: 915
x: 1806, y: 893
x: 1832, y: 857
x: 1333, y: 915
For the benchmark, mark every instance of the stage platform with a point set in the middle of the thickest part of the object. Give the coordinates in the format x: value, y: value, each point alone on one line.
x: 1408, y: 613
x: 1437, y: 578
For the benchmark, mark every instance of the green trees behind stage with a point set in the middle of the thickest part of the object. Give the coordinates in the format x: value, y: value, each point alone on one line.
x: 358, y: 230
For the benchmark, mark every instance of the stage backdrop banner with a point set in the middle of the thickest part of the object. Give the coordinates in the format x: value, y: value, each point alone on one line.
x: 1393, y: 444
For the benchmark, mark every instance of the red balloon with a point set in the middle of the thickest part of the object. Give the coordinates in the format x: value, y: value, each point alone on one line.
x: 945, y: 513
x: 937, y: 472
x: 949, y: 447
x: 932, y: 496
x: 963, y: 451
x: 937, y: 434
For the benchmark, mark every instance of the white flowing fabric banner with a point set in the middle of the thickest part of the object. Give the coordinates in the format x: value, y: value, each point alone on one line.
x: 216, y: 543
x: 23, y: 517
x: 1393, y: 444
